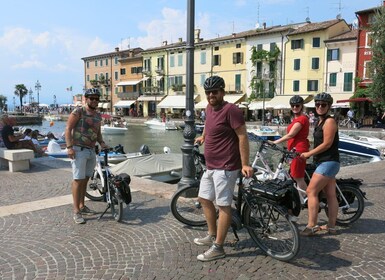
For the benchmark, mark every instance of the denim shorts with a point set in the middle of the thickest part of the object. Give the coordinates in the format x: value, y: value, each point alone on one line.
x: 328, y: 168
x: 218, y: 185
x: 84, y: 163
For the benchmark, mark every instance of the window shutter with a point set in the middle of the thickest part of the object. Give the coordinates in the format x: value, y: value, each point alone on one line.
x: 219, y: 60
x: 292, y: 45
x: 241, y: 57
x: 234, y: 58
x: 329, y: 55
x: 338, y: 54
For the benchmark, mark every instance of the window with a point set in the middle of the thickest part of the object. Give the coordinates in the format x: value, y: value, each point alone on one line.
x: 106, y: 76
x: 333, y: 54
x: 297, y: 64
x: 333, y: 79
x: 272, y: 68
x: 172, y: 61
x: 180, y: 59
x: 116, y: 60
x: 259, y: 47
x: 101, y: 62
x: 272, y: 46
x: 106, y: 61
x: 296, y: 86
x: 122, y: 71
x: 160, y: 63
x: 315, y: 63
x: 88, y: 78
x: 316, y: 42
x: 147, y: 64
x: 237, y: 58
x: 116, y: 75
x: 96, y: 63
x: 88, y: 64
x: 369, y: 40
x: 238, y: 82
x: 96, y: 77
x: 238, y: 46
x: 203, y: 58
x: 348, y: 82
x: 217, y: 60
x: 367, y: 70
x: 297, y: 44
x: 259, y: 69
x: 312, y: 85
x: 216, y: 48
x: 203, y: 79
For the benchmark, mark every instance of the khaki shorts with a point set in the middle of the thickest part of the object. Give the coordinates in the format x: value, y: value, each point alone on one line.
x: 84, y: 163
x: 218, y: 185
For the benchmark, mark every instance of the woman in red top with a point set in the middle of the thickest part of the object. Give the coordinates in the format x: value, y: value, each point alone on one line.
x: 296, y: 137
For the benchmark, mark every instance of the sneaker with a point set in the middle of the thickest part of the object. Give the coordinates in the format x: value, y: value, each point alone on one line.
x: 78, y: 218
x: 214, y: 253
x: 205, y: 241
x: 87, y: 211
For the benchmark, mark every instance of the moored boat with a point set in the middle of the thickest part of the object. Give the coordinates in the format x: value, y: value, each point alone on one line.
x: 158, y: 124
x: 113, y: 130
x: 352, y: 146
x: 263, y: 133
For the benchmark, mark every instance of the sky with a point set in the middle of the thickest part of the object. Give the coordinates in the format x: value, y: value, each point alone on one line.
x: 44, y: 40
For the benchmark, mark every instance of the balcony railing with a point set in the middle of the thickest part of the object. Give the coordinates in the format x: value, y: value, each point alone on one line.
x: 128, y: 95
x: 159, y: 70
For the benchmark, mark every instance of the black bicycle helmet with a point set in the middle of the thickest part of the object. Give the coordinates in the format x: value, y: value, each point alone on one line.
x: 325, y: 97
x: 296, y: 99
x: 92, y: 91
x: 214, y: 82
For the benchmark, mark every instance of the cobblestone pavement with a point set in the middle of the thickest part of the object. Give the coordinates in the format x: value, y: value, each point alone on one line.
x: 151, y: 244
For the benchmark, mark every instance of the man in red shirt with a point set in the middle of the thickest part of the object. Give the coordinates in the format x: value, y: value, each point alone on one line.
x: 227, y: 152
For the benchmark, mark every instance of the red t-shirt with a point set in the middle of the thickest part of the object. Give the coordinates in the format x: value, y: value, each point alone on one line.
x: 221, y: 142
x: 300, y: 141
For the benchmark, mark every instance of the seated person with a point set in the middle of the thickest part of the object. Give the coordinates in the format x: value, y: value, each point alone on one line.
x: 53, y: 146
x: 12, y: 141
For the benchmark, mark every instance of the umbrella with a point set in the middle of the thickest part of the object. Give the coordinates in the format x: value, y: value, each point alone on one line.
x: 106, y: 116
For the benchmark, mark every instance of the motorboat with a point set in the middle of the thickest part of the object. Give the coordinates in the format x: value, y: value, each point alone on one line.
x: 113, y: 130
x: 160, y: 125
x: 263, y: 133
x: 352, y: 146
x: 52, y: 118
x: 377, y: 142
x: 165, y: 167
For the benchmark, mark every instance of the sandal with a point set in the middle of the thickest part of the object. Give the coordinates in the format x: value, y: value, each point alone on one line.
x: 309, y: 231
x: 331, y: 231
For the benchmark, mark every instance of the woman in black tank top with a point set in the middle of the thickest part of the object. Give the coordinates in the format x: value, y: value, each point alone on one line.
x: 326, y: 157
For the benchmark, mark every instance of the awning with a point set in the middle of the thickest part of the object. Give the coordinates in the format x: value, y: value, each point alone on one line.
x: 106, y: 105
x: 128, y: 83
x: 124, y: 103
x: 174, y: 101
x: 358, y: 99
x: 231, y: 98
x: 283, y: 101
x: 256, y: 105
x: 150, y: 98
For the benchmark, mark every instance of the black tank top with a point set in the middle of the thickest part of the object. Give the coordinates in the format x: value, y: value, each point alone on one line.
x: 332, y: 154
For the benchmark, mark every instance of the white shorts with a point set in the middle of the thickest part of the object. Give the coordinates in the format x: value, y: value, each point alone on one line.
x: 84, y: 163
x: 218, y: 185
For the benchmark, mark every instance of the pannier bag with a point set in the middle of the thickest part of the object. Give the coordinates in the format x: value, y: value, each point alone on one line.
x: 122, y: 182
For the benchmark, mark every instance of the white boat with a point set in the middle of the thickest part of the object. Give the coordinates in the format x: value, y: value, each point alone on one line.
x: 158, y: 124
x: 352, y: 146
x: 107, y: 129
x: 377, y: 142
x: 52, y: 117
x: 263, y: 133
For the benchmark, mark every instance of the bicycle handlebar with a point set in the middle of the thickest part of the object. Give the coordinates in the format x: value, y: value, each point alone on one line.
x: 291, y: 154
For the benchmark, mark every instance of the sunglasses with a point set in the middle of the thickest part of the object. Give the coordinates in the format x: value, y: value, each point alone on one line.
x: 93, y: 99
x: 214, y: 92
x: 323, y: 105
x: 296, y: 105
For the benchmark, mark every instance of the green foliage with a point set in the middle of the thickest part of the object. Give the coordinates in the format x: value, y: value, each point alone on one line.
x: 3, y: 101
x: 377, y: 88
x: 21, y: 91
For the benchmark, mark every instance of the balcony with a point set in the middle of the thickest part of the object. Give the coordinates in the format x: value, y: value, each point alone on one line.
x: 153, y: 90
x: 159, y: 70
x: 147, y: 72
x: 128, y: 95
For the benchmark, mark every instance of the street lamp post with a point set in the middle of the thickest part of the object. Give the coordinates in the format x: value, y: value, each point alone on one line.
x: 37, y: 88
x: 30, y: 96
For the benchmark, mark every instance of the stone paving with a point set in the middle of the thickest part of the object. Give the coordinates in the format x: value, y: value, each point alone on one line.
x: 151, y: 244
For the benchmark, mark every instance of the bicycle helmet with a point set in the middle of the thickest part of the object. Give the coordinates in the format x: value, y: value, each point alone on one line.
x: 296, y: 99
x: 92, y: 91
x: 214, y: 82
x: 325, y: 97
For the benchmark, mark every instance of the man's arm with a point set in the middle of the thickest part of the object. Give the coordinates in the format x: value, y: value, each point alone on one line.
x: 244, y: 150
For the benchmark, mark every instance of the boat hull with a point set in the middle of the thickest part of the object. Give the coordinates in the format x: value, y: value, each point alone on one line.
x: 113, y: 130
x: 352, y: 146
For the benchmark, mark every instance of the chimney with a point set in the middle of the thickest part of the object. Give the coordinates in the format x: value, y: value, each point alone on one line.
x: 180, y: 40
x: 233, y: 35
x: 117, y: 49
x: 197, y: 33
x: 264, y: 25
x: 164, y: 43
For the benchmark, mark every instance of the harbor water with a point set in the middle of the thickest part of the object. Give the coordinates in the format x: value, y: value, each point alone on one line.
x: 156, y: 140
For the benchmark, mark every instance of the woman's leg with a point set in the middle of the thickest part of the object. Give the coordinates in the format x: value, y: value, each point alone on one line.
x: 317, y: 183
x: 330, y: 191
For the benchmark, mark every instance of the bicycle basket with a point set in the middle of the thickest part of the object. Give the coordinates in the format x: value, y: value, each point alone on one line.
x: 271, y: 189
x: 122, y: 182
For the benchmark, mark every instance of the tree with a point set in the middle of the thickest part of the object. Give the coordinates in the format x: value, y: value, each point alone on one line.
x: 3, y: 101
x: 21, y: 91
x: 377, y: 66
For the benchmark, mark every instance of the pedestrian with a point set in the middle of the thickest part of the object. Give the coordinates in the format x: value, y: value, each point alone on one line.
x: 82, y: 132
x: 326, y: 157
x: 297, y: 138
x: 203, y: 116
x: 227, y: 153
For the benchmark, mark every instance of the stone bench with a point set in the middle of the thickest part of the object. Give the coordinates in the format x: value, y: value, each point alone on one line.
x: 17, y: 160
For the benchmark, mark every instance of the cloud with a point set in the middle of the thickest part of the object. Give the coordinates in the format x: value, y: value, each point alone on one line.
x: 97, y: 46
x: 29, y: 64
x: 42, y: 39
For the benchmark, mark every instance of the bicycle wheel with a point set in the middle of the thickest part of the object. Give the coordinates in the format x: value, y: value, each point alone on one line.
x: 94, y: 186
x: 350, y: 124
x: 271, y: 230
x: 350, y: 206
x: 186, y: 208
x: 116, y: 206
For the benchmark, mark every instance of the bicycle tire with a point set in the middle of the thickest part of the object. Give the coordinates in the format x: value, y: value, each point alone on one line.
x: 116, y: 206
x: 271, y: 230
x: 186, y: 208
x: 356, y: 203
x: 350, y: 125
x: 94, y: 185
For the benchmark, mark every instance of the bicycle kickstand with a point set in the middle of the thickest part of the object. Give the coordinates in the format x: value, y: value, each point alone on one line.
x: 236, y: 237
x: 105, y: 211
